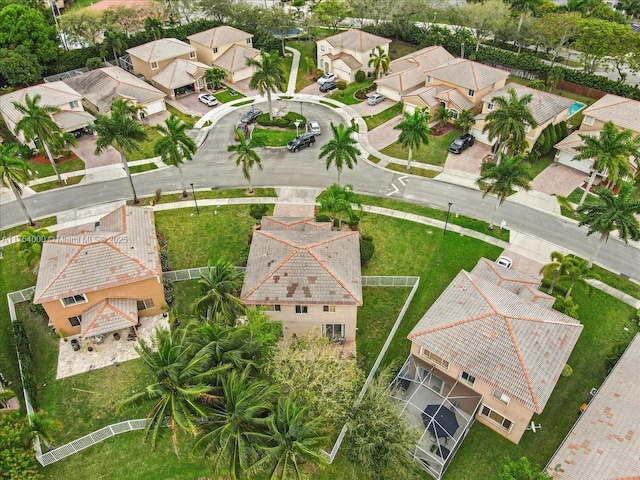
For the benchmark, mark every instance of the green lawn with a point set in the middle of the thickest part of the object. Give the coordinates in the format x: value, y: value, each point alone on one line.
x: 306, y: 49
x: 434, y: 154
x: 373, y: 121
x: 42, y: 223
x: 422, y: 172
x: 145, y: 149
x: 274, y: 138
x: 145, y: 167
x: 399, y: 49
x: 42, y: 170
x: 41, y: 187
x: 617, y: 282
x: 346, y: 96
x: 224, y: 96
x: 245, y: 102
x: 541, y: 163
x: 209, y: 194
x: 185, y: 117
x: 563, y: 93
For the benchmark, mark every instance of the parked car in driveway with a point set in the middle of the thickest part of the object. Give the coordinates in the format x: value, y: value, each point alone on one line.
x: 314, y: 127
x: 328, y: 86
x: 301, y: 141
x: 208, y: 99
x: 327, y: 77
x: 375, y: 99
x: 251, y: 116
x: 462, y: 142
x: 241, y: 129
x: 505, y: 262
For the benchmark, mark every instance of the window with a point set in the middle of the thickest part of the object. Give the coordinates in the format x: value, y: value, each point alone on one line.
x: 501, y: 396
x: 471, y: 92
x: 489, y: 106
x: 429, y: 79
x: 437, y: 359
x: 248, y: 41
x: 321, y: 63
x: 74, y: 299
x: 322, y: 48
x: 215, y: 49
x: 154, y: 65
x: 454, y: 113
x: 468, y: 378
x: 145, y: 304
x: 588, y: 120
x: 75, y: 321
x: 74, y: 104
x: 192, y: 54
x: 335, y: 330
x: 301, y: 309
x: 269, y: 308
x: 329, y: 308
x: 495, y: 417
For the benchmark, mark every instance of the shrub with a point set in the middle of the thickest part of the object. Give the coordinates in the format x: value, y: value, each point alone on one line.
x: 36, y: 307
x: 322, y: 217
x: 25, y: 152
x: 341, y: 84
x: 157, y: 196
x: 169, y: 290
x: 298, y: 3
x: 257, y: 211
x: 567, y: 371
x: 164, y: 260
x: 318, y: 74
x: 26, y: 358
x: 94, y: 63
x: 553, y: 136
x: 360, y: 76
x: 244, y: 255
x: 367, y: 250
x: 563, y: 130
x: 265, y: 121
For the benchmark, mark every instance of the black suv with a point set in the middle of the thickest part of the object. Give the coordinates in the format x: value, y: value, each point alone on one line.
x: 328, y: 86
x: 462, y: 142
x: 251, y: 116
x: 301, y: 141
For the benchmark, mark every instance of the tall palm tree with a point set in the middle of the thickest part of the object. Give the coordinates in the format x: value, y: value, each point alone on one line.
x: 37, y: 123
x: 14, y: 174
x: 175, y: 146
x: 443, y: 115
x: 610, y: 150
x: 268, y: 76
x: 295, y: 438
x: 224, y: 345
x: 465, y: 120
x: 214, y: 77
x: 523, y: 7
x: 236, y: 428
x: 502, y: 178
x: 341, y: 150
x: 246, y: 156
x: 610, y: 212
x: 507, y: 122
x: 414, y: 131
x: 115, y: 42
x: 221, y: 287
x: 181, y: 386
x: 154, y: 26
x: 31, y: 241
x: 578, y: 271
x: 379, y: 61
x: 122, y: 131
x: 556, y: 269
x: 339, y: 200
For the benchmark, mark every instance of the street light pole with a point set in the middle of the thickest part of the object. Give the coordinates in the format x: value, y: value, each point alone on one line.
x: 446, y: 222
x: 195, y: 200
x: 301, y: 109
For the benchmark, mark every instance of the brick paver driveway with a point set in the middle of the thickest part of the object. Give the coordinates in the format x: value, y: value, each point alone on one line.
x: 384, y: 134
x: 469, y: 160
x: 558, y: 179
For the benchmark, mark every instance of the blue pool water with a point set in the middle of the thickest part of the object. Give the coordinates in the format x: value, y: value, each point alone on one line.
x: 291, y: 33
x: 575, y: 108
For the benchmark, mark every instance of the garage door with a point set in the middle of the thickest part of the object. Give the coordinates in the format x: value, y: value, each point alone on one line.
x: 481, y: 137
x: 155, y: 107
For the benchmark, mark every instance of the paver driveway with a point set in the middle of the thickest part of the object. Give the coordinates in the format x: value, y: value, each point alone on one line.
x: 558, y: 179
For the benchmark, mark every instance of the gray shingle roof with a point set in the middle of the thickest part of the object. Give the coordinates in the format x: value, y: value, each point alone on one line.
x: 605, y: 441
x: 55, y: 94
x: 103, y: 85
x: 235, y: 58
x: 623, y: 112
x: 467, y: 74
x: 124, y: 250
x: 179, y: 73
x: 109, y: 316
x: 69, y: 120
x: 544, y: 106
x: 219, y: 36
x: 408, y: 72
x: 356, y: 40
x: 514, y: 345
x: 162, y: 49
x: 293, y: 267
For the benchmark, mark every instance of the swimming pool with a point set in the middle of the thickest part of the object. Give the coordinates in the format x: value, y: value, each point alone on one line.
x: 575, y: 108
x: 291, y: 33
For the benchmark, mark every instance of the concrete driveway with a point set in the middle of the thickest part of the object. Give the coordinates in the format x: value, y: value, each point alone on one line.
x: 86, y: 152
x: 191, y: 105
x: 364, y: 109
x: 384, y: 134
x: 313, y: 89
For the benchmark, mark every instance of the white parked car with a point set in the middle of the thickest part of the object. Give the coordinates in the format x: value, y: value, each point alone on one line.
x: 375, y: 99
x: 314, y: 127
x: 327, y: 77
x: 208, y: 99
x: 505, y: 262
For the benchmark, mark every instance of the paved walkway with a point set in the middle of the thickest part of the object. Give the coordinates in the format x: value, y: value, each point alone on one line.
x: 293, y: 75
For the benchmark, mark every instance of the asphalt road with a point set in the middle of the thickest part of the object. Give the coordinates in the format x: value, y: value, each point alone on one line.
x: 213, y: 167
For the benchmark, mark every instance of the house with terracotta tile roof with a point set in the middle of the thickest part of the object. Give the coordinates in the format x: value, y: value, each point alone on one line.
x: 149, y: 58
x: 546, y: 108
x: 623, y: 112
x: 227, y: 48
x: 306, y: 276
x: 347, y: 52
x: 604, y: 443
x: 463, y: 84
x: 100, y: 281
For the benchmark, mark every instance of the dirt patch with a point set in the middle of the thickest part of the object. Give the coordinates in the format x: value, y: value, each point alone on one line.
x: 44, y: 160
x: 439, y: 131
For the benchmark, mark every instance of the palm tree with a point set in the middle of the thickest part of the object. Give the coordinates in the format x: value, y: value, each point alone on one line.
x: 507, y: 122
x: 339, y: 200
x: 578, y: 271
x: 523, y: 7
x: 295, y: 438
x: 114, y: 41
x: 14, y: 174
x: 414, y: 131
x: 122, y: 131
x: 556, y: 269
x: 465, y: 120
x: 610, y: 150
x: 341, y: 150
x: 236, y: 428
x: 246, y: 155
x: 630, y: 7
x: 610, y: 212
x: 181, y: 386
x: 175, y: 146
x: 31, y: 241
x: 214, y: 77
x: 154, y: 26
x: 37, y: 123
x: 223, y: 345
x: 220, y: 289
x: 501, y: 179
x: 268, y: 76
x: 443, y: 115
x: 379, y: 61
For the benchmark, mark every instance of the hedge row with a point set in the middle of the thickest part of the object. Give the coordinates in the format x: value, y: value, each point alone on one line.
x: 26, y: 358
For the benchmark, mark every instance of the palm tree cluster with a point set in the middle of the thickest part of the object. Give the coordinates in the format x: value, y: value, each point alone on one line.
x: 567, y: 270
x: 339, y: 200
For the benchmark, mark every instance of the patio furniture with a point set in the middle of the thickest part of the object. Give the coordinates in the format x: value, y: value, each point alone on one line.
x: 440, y: 421
x: 75, y: 344
x: 443, y: 452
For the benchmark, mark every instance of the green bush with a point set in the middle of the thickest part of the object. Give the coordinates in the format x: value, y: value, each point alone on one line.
x: 26, y: 358
x: 367, y: 249
x: 169, y: 290
x: 567, y: 371
x: 164, y: 260
x: 563, y: 131
x: 322, y: 217
x: 360, y: 76
x: 553, y: 136
x: 286, y: 121
x: 94, y: 63
x: 341, y: 84
x: 257, y: 211
x: 36, y: 307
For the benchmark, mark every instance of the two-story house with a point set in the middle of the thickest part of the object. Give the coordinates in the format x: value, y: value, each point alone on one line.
x: 347, y: 52
x: 545, y: 107
x: 100, y: 87
x: 71, y: 117
x: 101, y: 281
x: 227, y: 48
x: 306, y: 276
x: 623, y: 112
x: 457, y: 85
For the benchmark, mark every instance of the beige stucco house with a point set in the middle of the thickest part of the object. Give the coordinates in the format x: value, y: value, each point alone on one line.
x: 306, y: 276
x: 149, y: 58
x: 227, y: 48
x: 545, y: 107
x: 623, y: 112
x: 457, y: 85
x: 100, y: 87
x: 97, y: 282
x: 347, y: 52
x: 71, y: 117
